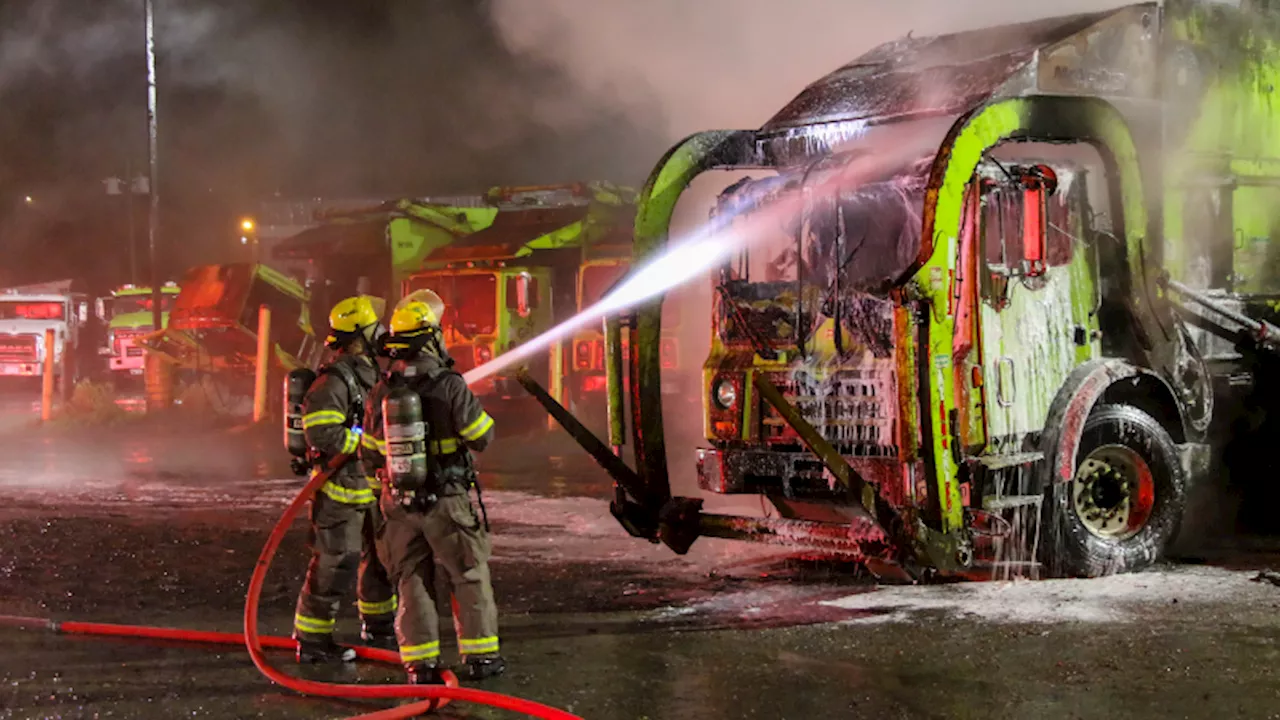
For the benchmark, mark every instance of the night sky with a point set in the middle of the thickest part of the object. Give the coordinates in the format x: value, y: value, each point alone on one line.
x: 297, y: 97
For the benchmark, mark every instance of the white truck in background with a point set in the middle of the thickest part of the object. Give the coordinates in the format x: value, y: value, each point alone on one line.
x: 26, y: 313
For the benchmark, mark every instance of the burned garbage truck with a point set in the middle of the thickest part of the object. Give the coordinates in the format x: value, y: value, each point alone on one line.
x: 1000, y: 300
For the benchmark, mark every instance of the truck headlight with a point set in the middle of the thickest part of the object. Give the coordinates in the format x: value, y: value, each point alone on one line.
x: 724, y: 393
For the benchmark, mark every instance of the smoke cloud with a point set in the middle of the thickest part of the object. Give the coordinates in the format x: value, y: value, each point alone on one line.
x: 731, y: 63
x: 300, y: 97
x: 399, y: 97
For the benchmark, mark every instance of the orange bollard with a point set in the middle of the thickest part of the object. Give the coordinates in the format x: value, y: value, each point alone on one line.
x: 46, y: 390
x: 263, y: 365
x: 159, y: 380
x: 555, y: 381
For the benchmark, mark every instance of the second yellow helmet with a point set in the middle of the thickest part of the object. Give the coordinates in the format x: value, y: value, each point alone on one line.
x: 418, y: 311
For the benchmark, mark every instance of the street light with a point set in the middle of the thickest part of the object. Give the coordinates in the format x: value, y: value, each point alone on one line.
x: 28, y: 200
x: 247, y: 225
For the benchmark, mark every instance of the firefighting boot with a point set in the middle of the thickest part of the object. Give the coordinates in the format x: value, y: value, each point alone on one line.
x: 324, y: 651
x: 481, y: 667
x: 380, y: 635
x: 425, y: 675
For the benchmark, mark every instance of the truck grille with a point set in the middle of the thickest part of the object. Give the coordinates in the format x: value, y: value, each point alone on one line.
x: 18, y: 349
x: 126, y: 342
x: 855, y: 410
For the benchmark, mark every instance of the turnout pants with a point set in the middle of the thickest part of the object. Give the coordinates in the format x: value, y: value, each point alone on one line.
x: 342, y: 550
x: 450, y: 539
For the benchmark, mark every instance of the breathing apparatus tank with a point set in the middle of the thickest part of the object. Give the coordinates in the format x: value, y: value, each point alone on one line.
x: 296, y: 384
x: 406, y: 438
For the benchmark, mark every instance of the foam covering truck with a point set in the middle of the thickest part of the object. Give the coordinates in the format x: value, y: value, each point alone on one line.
x: 1021, y: 301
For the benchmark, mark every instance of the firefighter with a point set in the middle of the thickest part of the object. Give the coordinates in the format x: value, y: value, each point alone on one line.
x: 344, y: 510
x: 434, y: 528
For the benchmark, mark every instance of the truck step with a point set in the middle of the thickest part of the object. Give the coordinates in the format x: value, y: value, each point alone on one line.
x: 1002, y: 462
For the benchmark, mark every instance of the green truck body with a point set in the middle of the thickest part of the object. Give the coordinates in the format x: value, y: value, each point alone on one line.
x: 127, y: 314
x: 505, y: 263
x: 1021, y: 291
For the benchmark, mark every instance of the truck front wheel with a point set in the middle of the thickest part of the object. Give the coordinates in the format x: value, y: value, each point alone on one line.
x: 1122, y: 507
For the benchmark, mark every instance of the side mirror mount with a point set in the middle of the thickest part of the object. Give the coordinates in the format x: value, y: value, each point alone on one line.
x: 1037, y: 184
x: 522, y: 294
x: 1033, y: 231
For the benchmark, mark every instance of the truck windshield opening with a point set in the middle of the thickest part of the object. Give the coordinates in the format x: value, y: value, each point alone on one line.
x: 597, y: 280
x: 129, y: 304
x: 848, y: 241
x: 470, y: 301
x: 32, y: 311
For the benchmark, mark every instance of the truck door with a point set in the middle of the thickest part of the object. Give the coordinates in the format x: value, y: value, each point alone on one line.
x: 1035, y: 314
x: 1256, y: 242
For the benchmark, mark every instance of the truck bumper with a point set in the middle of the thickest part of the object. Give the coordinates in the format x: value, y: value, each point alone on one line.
x: 20, y: 369
x: 131, y: 365
x: 796, y: 475
x: 755, y: 471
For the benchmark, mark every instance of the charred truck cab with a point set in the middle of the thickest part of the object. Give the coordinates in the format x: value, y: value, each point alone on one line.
x: 987, y: 337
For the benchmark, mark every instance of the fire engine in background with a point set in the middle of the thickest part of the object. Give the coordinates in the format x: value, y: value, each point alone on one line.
x: 26, y: 312
x: 127, y: 315
x: 1008, y: 323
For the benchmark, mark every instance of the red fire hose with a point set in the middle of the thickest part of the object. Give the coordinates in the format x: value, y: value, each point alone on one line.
x: 433, y: 696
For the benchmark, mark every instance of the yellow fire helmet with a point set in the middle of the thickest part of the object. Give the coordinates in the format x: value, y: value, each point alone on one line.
x: 418, y: 311
x: 352, y: 315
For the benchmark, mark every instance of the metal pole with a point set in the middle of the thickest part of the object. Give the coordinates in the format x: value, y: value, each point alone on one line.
x: 263, y: 366
x: 153, y: 225
x: 46, y: 378
x: 128, y: 198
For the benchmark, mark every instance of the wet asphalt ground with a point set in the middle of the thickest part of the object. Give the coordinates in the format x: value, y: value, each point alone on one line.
x: 143, y: 524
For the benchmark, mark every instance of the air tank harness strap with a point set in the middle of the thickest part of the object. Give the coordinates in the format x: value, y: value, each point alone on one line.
x: 484, y: 514
x: 355, y: 390
x: 475, y: 483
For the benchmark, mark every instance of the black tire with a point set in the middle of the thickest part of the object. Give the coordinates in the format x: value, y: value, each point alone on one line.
x: 1121, y: 510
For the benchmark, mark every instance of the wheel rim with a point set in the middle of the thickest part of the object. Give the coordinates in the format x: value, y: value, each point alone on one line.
x: 1113, y: 492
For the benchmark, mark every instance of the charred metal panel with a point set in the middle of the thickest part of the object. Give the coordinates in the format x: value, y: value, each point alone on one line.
x: 948, y: 73
x: 1116, y: 56
x: 794, y: 475
x: 763, y: 312
x: 864, y: 92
